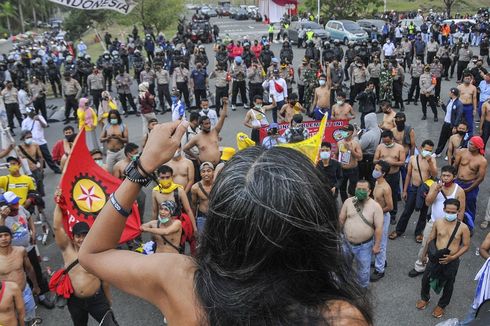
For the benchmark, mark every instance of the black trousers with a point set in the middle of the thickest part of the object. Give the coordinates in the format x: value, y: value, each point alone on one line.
x: 48, y: 158
x: 164, y: 94
x: 432, y: 102
x: 446, y: 132
x: 356, y: 89
x: 437, y: 89
x: 107, y: 80
x: 55, y: 81
x: 366, y: 166
x: 220, y: 93
x: 461, y: 67
x: 255, y: 89
x: 96, y: 305
x: 40, y: 106
x: 430, y: 57
x: 485, y: 132
x: 414, y: 87
x: 394, y: 182
x: 401, y: 226
x: 376, y: 87
x: 301, y: 94
x: 446, y: 63
x: 451, y: 269
x: 13, y: 110
x: 97, y: 97
x: 70, y: 103
x: 125, y: 99
x: 43, y: 283
x: 239, y: 85
x: 397, y: 92
x: 199, y: 94
x: 184, y: 90
x: 351, y: 176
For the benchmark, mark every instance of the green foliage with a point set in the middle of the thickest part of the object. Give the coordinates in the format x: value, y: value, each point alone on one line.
x: 159, y: 14
x: 349, y: 9
x: 79, y: 21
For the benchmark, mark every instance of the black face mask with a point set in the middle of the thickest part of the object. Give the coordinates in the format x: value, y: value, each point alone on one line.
x: 400, y: 125
x: 71, y: 138
x: 461, y: 133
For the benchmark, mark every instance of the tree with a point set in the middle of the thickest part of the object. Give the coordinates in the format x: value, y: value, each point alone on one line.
x: 8, y: 11
x: 448, y: 4
x: 79, y: 21
x: 344, y: 8
x: 159, y: 14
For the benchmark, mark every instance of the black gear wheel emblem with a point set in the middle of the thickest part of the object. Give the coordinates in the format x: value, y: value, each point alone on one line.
x: 88, y: 196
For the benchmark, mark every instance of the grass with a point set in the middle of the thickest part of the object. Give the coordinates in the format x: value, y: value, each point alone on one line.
x: 466, y: 6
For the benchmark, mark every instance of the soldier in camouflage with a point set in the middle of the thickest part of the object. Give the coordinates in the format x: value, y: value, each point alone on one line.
x: 385, y: 83
x: 310, y: 82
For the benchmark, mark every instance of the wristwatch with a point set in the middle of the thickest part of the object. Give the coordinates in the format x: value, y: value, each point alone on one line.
x: 133, y: 174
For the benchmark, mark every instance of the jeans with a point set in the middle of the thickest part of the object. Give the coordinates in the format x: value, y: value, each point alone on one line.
x: 451, y: 269
x: 49, y: 159
x: 468, y: 116
x: 96, y: 305
x: 29, y: 304
x: 380, y: 258
x: 363, y: 253
x: 351, y: 176
x: 394, y: 182
x: 401, y: 226
x: 200, y: 222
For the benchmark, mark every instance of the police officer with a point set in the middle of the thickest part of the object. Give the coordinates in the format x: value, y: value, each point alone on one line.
x: 398, y: 79
x: 359, y: 77
x: 416, y: 71
x: 222, y: 81
x: 148, y: 75
x: 72, y: 91
x: 385, y: 83
x: 301, y: 80
x: 238, y: 74
x: 363, y: 53
x: 445, y: 58
x: 374, y: 71
x: 427, y: 93
x: 436, y: 71
x: 350, y: 56
x: 266, y: 56
x: 70, y: 67
x: 286, y: 54
x: 54, y: 77
x: 138, y: 65
x: 464, y: 57
x: 107, y: 70
x: 338, y: 51
x: 162, y: 78
x: 432, y: 48
x: 328, y: 54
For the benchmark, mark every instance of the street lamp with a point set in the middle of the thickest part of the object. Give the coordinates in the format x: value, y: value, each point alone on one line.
x: 318, y: 11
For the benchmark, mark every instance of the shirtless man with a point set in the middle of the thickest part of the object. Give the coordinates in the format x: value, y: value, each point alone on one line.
x: 256, y: 117
x: 468, y: 95
x: 31, y: 151
x: 382, y: 195
x: 361, y: 231
x: 167, y: 230
x: 342, y: 110
x: 151, y: 124
x: 388, y: 122
x: 183, y: 170
x: 207, y: 141
x: 167, y: 189
x: 472, y: 166
x: 404, y: 134
x: 91, y: 295
x: 14, y: 265
x: 349, y: 154
x: 12, y: 311
x: 130, y: 153
x: 420, y: 168
x: 485, y: 121
x: 291, y: 108
x: 115, y: 136
x: 321, y: 99
x: 458, y: 244
x: 200, y: 194
x: 457, y: 141
x: 394, y: 154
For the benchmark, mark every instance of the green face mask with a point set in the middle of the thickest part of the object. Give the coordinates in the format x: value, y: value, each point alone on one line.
x: 113, y: 121
x: 361, y: 194
x: 163, y: 220
x: 134, y: 157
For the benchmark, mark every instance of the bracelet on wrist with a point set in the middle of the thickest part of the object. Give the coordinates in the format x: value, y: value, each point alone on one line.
x: 117, y: 206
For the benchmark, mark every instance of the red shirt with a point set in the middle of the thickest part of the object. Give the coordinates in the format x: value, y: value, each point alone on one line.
x: 237, y: 51
x: 256, y: 49
x: 147, y: 103
x: 58, y: 151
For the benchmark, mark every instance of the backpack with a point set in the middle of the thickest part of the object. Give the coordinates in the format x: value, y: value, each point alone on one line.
x: 297, y: 135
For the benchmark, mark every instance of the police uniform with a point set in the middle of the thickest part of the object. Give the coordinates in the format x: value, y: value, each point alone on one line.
x: 222, y: 88
x: 416, y: 70
x: 436, y: 69
x: 374, y: 70
x: 427, y: 94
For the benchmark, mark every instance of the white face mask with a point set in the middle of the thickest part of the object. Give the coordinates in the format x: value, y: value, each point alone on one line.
x: 322, y: 82
x: 340, y: 102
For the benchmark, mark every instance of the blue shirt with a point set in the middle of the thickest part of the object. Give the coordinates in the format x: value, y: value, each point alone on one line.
x: 199, y: 78
x: 484, y: 91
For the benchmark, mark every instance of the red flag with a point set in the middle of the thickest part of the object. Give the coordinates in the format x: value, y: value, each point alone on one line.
x: 85, y: 188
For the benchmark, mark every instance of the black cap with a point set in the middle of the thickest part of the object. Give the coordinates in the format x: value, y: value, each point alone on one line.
x: 12, y: 158
x: 348, y: 127
x: 455, y: 91
x: 80, y: 228
x: 5, y: 229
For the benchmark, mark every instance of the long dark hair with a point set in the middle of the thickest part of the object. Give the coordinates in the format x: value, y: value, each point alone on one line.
x: 271, y: 251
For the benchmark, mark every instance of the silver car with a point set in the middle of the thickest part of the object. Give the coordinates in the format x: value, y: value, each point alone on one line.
x: 295, y: 27
x: 345, y: 31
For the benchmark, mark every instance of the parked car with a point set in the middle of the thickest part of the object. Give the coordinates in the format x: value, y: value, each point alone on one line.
x: 369, y: 24
x: 315, y: 27
x: 201, y: 30
x: 241, y: 14
x: 209, y: 12
x: 405, y: 22
x: 345, y: 31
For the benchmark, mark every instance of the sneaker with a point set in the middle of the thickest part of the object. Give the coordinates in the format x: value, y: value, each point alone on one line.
x: 424, y: 117
x: 233, y: 108
x: 376, y: 276
x: 484, y: 224
x: 245, y: 106
x: 414, y: 273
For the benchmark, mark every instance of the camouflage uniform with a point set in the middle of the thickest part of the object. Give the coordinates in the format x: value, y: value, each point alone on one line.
x: 310, y: 81
x: 386, y: 85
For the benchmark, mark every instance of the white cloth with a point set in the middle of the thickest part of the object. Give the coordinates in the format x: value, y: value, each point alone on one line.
x: 437, y: 207
x: 482, y: 292
x: 35, y: 128
x: 449, y: 110
x: 270, y: 85
x: 388, y: 49
x: 211, y: 115
x: 24, y: 100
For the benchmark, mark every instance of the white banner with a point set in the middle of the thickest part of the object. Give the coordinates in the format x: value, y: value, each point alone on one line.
x: 122, y: 6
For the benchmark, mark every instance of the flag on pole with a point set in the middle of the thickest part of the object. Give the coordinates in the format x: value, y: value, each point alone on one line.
x: 121, y: 6
x: 85, y: 189
x: 311, y: 146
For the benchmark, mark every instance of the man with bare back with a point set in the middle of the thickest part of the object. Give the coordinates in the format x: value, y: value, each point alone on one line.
x: 394, y: 155
x: 200, y: 194
x: 457, y: 141
x: 342, y: 110
x: 349, y: 154
x: 114, y: 136
x: 382, y: 195
x: 207, y: 141
x: 12, y: 311
x: 91, y: 295
x: 452, y: 240
x: 183, y: 170
x: 388, y: 122
x: 321, y: 99
x: 130, y: 153
x: 472, y: 166
x: 485, y: 121
x: 14, y: 266
x: 468, y: 95
x: 166, y: 230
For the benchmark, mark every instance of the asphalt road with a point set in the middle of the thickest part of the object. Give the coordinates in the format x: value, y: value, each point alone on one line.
x: 393, y: 297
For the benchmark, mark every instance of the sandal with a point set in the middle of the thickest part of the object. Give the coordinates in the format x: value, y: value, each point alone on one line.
x: 484, y: 224
x: 393, y: 235
x: 422, y: 304
x: 438, y: 312
x: 419, y: 238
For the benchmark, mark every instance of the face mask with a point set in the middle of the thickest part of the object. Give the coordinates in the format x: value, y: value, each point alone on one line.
x: 426, y: 153
x: 99, y: 162
x: 448, y: 184
x: 14, y: 169
x: 377, y: 174
x: 361, y: 194
x: 344, y: 134
x: 322, y: 82
x: 400, y: 125
x: 113, y: 121
x: 28, y: 141
x: 466, y: 81
x: 163, y: 220
x: 166, y: 183
x: 134, y: 157
x: 70, y: 138
x: 450, y: 217
x: 340, y: 102
x: 325, y: 155
x: 258, y: 106
x: 390, y: 145
x: 461, y: 133
x: 205, y: 111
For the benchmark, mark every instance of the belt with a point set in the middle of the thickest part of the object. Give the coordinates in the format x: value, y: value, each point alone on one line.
x: 361, y: 243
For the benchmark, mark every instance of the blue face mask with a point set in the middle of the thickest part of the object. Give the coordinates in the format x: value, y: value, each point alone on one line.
x: 163, y: 220
x: 174, y: 99
x: 451, y: 217
x: 426, y: 153
x: 376, y: 174
x: 325, y: 155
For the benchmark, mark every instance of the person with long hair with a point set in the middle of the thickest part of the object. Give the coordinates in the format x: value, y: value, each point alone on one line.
x: 270, y: 252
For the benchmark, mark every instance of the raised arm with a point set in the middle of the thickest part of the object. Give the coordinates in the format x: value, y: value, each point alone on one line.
x: 222, y: 116
x: 60, y: 236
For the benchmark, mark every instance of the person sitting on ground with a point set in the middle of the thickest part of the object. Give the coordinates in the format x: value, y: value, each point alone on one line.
x: 296, y: 132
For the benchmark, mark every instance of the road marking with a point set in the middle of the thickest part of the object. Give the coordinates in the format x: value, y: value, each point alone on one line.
x: 251, y: 27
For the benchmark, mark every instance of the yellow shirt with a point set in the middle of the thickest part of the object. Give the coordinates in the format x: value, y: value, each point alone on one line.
x: 18, y: 185
x: 81, y: 119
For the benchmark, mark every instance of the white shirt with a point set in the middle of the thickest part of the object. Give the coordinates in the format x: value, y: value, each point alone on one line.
x: 449, y: 109
x: 272, y: 89
x: 35, y: 128
x: 23, y: 99
x: 213, y: 117
x: 398, y: 32
x: 388, y: 49
x: 437, y: 207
